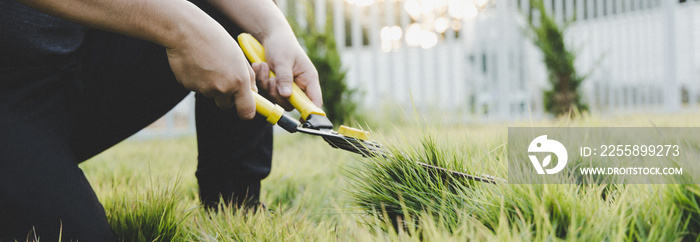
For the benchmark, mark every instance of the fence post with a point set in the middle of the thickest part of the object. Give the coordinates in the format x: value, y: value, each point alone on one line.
x: 356, y: 42
x: 558, y: 12
x: 692, y: 84
x: 320, y: 12
x: 672, y: 97
x: 339, y: 24
x: 504, y: 44
x: 374, y: 42
x: 406, y: 89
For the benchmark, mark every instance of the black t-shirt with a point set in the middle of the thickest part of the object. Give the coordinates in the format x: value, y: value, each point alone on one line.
x: 30, y: 38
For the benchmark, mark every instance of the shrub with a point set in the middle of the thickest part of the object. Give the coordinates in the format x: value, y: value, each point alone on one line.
x: 559, y: 60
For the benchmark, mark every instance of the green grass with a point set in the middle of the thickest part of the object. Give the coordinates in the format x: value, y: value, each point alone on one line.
x: 316, y: 193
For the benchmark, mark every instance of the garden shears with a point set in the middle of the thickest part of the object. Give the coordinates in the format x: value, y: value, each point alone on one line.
x: 315, y: 121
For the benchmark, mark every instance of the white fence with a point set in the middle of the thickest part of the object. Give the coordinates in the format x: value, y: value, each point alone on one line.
x: 643, y: 55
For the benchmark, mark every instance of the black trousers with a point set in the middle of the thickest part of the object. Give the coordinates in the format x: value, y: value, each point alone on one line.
x: 54, y: 117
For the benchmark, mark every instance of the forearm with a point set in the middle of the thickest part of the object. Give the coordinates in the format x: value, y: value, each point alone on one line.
x: 165, y: 22
x: 257, y: 17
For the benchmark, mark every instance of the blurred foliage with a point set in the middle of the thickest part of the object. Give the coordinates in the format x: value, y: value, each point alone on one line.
x: 339, y: 100
x: 559, y: 60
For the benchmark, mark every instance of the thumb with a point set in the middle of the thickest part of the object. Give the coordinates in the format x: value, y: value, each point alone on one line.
x: 245, y: 104
x: 284, y: 79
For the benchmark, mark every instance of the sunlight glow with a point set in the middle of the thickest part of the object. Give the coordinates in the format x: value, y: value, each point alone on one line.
x: 413, y: 8
x: 361, y: 3
x: 416, y: 35
x: 456, y: 25
x: 481, y: 3
x: 428, y: 40
x: 456, y: 7
x: 413, y: 34
x: 470, y: 11
x: 390, y: 38
x: 430, y: 20
x: 442, y: 24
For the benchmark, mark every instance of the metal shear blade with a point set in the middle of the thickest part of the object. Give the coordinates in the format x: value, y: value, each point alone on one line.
x: 362, y: 147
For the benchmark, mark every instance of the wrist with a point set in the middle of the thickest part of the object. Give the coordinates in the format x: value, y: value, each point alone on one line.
x: 186, y: 23
x: 262, y: 19
x: 281, y: 35
x: 274, y: 31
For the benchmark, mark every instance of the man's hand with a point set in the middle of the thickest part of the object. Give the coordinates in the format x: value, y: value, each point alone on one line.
x: 212, y: 63
x: 284, y: 55
x: 290, y: 64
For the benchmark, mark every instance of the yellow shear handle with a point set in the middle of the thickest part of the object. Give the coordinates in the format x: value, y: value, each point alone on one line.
x: 271, y: 111
x: 256, y: 53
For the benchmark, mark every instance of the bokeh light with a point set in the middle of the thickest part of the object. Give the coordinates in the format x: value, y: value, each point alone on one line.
x: 442, y: 24
x: 361, y: 3
x: 430, y: 20
x: 390, y: 38
x: 413, y: 34
x: 413, y: 8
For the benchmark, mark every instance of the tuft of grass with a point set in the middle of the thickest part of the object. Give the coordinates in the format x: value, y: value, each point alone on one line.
x: 686, y: 198
x: 397, y: 188
x: 233, y: 224
x: 405, y: 197
x: 156, y: 215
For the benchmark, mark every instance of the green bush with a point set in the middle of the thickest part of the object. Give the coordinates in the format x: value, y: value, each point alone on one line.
x: 564, y: 94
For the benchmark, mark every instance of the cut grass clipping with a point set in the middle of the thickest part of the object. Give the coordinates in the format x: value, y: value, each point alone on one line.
x: 407, y: 197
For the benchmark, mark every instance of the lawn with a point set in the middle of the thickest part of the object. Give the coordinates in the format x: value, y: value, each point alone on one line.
x: 149, y: 190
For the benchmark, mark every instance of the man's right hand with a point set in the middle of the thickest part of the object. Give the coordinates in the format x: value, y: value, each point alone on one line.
x: 210, y: 62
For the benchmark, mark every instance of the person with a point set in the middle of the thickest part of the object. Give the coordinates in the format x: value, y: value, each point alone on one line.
x: 79, y: 76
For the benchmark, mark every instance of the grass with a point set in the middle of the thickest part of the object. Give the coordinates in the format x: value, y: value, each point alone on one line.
x: 151, y: 216
x: 316, y: 193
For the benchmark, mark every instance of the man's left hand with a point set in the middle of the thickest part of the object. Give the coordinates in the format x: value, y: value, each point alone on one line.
x: 287, y: 60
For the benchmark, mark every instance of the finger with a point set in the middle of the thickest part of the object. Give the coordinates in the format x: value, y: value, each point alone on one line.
x: 224, y: 102
x: 285, y: 77
x: 251, y: 74
x: 262, y: 75
x: 277, y: 98
x: 308, y: 81
x: 245, y: 104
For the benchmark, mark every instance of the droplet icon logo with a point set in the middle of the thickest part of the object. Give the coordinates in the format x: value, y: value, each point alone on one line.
x: 541, y: 144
